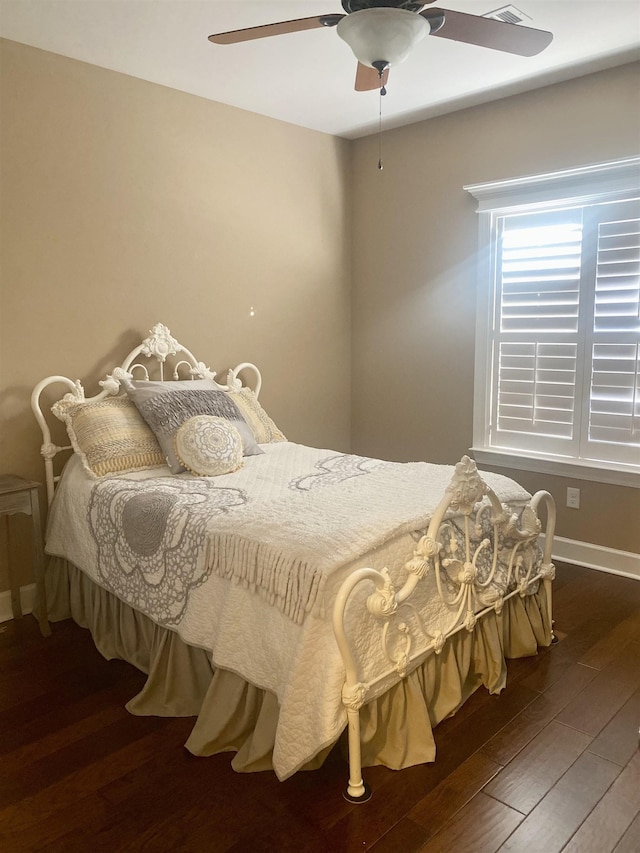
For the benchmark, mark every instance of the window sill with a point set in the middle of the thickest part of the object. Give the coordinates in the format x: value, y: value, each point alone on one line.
x: 595, y: 472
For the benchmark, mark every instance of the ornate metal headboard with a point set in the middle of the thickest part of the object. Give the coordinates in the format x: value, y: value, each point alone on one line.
x: 159, y: 346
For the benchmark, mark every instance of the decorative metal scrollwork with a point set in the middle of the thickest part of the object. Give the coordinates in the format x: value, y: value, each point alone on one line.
x: 49, y: 450
x: 466, y: 487
x: 233, y: 383
x: 402, y: 657
x: 75, y: 396
x: 382, y: 603
x: 353, y: 697
x: 470, y: 620
x: 438, y: 642
x: 160, y: 343
x: 112, y: 384
x: 547, y: 571
x: 203, y: 371
x: 423, y: 554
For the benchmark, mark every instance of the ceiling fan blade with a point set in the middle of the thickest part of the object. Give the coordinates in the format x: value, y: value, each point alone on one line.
x: 486, y: 32
x: 367, y: 78
x: 281, y: 28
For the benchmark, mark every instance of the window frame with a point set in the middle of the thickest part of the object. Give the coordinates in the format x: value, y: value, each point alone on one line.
x: 617, y: 180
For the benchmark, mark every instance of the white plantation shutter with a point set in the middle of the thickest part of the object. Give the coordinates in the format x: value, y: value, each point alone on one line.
x: 536, y: 389
x: 536, y: 340
x: 614, y: 339
x: 557, y: 373
x: 614, y: 403
x: 565, y: 342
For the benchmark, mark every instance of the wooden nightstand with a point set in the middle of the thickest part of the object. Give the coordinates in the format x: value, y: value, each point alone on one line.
x: 21, y: 496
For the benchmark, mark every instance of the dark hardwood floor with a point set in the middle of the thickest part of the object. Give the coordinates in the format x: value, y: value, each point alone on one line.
x: 550, y: 764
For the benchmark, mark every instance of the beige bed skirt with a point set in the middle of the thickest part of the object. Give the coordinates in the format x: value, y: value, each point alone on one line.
x: 233, y: 715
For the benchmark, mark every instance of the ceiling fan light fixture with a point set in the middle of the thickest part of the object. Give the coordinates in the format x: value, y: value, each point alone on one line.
x: 382, y: 34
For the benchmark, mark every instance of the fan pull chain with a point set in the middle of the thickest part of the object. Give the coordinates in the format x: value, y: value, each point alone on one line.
x: 383, y: 92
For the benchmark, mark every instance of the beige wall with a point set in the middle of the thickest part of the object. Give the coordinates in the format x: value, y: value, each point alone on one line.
x: 125, y: 203
x: 414, y: 248
x: 414, y: 254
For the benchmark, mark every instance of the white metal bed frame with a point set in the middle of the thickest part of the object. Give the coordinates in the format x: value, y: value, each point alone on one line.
x: 461, y: 586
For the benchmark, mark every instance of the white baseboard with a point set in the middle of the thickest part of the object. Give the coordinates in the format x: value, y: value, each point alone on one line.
x: 27, y: 595
x: 590, y: 556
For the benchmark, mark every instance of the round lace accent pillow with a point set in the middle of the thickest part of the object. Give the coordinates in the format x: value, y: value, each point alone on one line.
x: 208, y: 446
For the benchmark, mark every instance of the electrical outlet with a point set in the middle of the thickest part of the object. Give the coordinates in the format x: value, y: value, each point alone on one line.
x: 573, y: 498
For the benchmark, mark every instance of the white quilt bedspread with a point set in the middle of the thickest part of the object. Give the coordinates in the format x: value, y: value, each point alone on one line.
x: 247, y: 565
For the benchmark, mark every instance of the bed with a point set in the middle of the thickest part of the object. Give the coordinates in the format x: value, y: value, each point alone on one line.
x: 282, y: 595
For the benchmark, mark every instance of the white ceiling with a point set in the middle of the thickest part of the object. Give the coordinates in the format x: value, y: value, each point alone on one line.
x: 307, y: 78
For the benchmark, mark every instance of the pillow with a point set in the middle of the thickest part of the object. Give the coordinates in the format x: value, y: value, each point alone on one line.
x: 208, y: 446
x: 165, y: 406
x: 262, y: 427
x: 109, y: 436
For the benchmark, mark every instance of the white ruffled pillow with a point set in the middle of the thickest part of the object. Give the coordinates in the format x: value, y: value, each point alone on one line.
x: 208, y: 446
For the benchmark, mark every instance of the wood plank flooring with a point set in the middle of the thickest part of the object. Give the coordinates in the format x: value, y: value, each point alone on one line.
x: 551, y: 764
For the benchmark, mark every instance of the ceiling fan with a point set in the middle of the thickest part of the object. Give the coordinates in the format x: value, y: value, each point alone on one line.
x: 381, y: 33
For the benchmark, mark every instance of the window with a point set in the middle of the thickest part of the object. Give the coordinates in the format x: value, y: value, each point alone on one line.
x: 558, y: 336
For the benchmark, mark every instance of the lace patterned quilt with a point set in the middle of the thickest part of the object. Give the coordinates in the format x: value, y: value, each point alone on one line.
x: 311, y: 512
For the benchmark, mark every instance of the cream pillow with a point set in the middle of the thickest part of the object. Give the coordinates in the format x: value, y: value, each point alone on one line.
x: 208, y: 446
x: 263, y: 428
x: 110, y: 436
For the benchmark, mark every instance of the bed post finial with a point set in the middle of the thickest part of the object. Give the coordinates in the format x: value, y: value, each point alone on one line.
x: 466, y: 487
